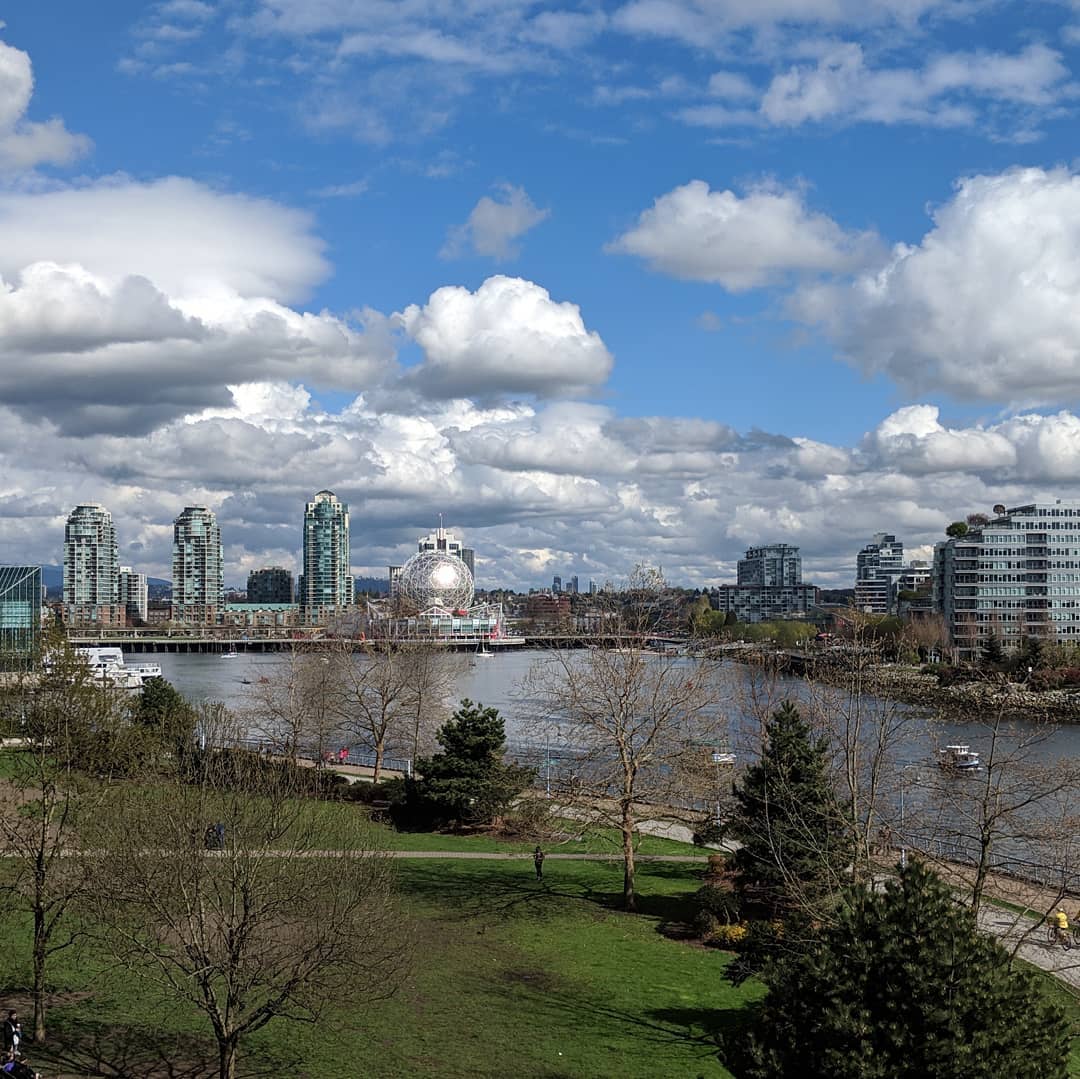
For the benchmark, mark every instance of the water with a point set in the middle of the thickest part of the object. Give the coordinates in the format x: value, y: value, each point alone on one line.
x: 915, y: 784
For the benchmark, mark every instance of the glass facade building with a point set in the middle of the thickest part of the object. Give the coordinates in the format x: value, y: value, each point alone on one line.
x: 20, y: 617
x: 91, y: 562
x: 1017, y: 576
x: 197, y: 566
x: 327, y: 585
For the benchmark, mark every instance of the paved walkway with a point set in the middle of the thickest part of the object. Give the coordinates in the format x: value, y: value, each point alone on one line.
x: 526, y: 856
x: 1026, y: 937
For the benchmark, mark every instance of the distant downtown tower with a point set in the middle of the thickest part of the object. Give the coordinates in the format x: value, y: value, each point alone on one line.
x: 326, y: 585
x: 91, y: 561
x: 197, y: 566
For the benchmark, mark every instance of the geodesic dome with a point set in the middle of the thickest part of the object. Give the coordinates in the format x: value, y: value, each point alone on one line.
x: 436, y: 579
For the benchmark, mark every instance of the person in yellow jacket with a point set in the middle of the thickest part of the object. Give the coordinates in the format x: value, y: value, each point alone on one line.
x: 1059, y: 922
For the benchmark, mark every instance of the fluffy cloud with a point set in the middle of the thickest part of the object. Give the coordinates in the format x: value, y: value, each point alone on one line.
x: 536, y: 488
x: 23, y: 143
x: 494, y: 224
x: 740, y: 243
x: 508, y: 336
x: 188, y: 239
x: 984, y: 307
x: 123, y: 306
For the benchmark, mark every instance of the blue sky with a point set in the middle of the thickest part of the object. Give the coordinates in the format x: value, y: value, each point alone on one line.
x: 646, y: 280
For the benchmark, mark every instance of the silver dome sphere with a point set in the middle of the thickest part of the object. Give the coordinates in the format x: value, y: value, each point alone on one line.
x: 436, y: 579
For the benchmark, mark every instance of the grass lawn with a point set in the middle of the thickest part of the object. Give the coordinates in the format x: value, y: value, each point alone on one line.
x: 511, y: 977
x: 333, y: 830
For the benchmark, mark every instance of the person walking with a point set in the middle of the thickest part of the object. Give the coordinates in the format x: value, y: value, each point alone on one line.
x: 12, y: 1033
x: 538, y: 861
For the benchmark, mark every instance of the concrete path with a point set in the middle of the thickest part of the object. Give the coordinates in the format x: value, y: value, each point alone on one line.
x: 526, y: 856
x: 1027, y: 937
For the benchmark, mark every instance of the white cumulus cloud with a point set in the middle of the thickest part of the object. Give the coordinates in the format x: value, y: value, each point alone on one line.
x: 25, y: 143
x: 743, y: 242
x: 985, y: 307
x: 509, y: 336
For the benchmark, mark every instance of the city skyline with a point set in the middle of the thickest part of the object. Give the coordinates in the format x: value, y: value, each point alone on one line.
x: 605, y: 284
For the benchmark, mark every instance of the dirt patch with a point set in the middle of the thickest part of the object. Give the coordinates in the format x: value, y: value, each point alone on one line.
x: 532, y: 979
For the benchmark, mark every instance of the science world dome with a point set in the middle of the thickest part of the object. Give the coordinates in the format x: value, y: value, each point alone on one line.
x: 436, y: 579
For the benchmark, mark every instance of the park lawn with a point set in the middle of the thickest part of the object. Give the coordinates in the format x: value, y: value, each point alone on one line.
x: 332, y: 830
x: 508, y: 974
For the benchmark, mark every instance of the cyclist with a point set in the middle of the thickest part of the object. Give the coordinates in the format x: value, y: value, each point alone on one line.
x: 1059, y: 922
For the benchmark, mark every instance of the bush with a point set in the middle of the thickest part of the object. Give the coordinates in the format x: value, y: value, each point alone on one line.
x: 728, y: 936
x: 530, y: 818
x: 718, y: 901
x: 708, y: 833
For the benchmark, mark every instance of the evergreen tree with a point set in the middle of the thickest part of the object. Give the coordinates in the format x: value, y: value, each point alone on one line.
x: 903, y: 987
x: 468, y: 781
x: 795, y: 846
x: 993, y: 655
x: 1034, y: 654
x: 166, y: 715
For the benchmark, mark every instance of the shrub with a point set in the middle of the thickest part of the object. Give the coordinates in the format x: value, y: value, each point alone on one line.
x: 708, y: 833
x: 729, y: 936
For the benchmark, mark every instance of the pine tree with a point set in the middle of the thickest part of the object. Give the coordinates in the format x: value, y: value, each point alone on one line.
x: 993, y: 655
x: 468, y: 781
x: 903, y: 987
x: 795, y: 846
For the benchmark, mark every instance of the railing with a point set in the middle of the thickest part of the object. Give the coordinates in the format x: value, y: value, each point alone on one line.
x: 1050, y: 876
x: 306, y: 753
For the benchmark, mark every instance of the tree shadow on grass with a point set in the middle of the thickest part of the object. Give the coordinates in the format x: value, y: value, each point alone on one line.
x: 701, y: 1032
x: 473, y: 892
x: 93, y: 1048
x: 480, y: 895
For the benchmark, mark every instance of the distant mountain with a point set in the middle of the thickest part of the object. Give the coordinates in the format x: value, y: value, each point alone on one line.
x: 370, y: 584
x: 52, y: 577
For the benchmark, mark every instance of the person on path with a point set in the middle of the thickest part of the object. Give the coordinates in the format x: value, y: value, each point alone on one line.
x: 12, y: 1034
x: 1060, y: 922
x: 538, y: 861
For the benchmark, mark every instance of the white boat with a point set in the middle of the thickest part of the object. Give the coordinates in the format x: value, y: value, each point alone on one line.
x: 959, y: 758
x: 231, y: 654
x: 483, y: 652
x: 107, y: 664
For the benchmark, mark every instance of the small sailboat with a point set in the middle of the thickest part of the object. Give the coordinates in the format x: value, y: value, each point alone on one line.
x: 231, y: 654
x: 483, y: 652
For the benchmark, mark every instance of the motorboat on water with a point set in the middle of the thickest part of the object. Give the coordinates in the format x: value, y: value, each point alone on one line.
x: 231, y: 654
x: 107, y: 664
x: 959, y: 758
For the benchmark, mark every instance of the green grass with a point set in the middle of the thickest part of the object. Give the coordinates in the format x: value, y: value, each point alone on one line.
x: 1067, y: 999
x: 512, y: 977
x: 333, y: 827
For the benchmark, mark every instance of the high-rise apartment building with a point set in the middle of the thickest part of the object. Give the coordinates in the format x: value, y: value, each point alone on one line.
x: 556, y: 584
x: 769, y: 586
x: 878, y: 568
x: 271, y: 584
x: 442, y: 540
x: 439, y: 540
x: 778, y: 565
x: 132, y: 594
x: 1017, y: 576
x: 197, y: 566
x: 91, y: 562
x: 327, y: 584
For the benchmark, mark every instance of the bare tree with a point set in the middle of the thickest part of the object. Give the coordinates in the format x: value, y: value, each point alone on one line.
x: 71, y: 724
x: 390, y: 694
x: 630, y: 719
x: 296, y: 708
x: 268, y: 926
